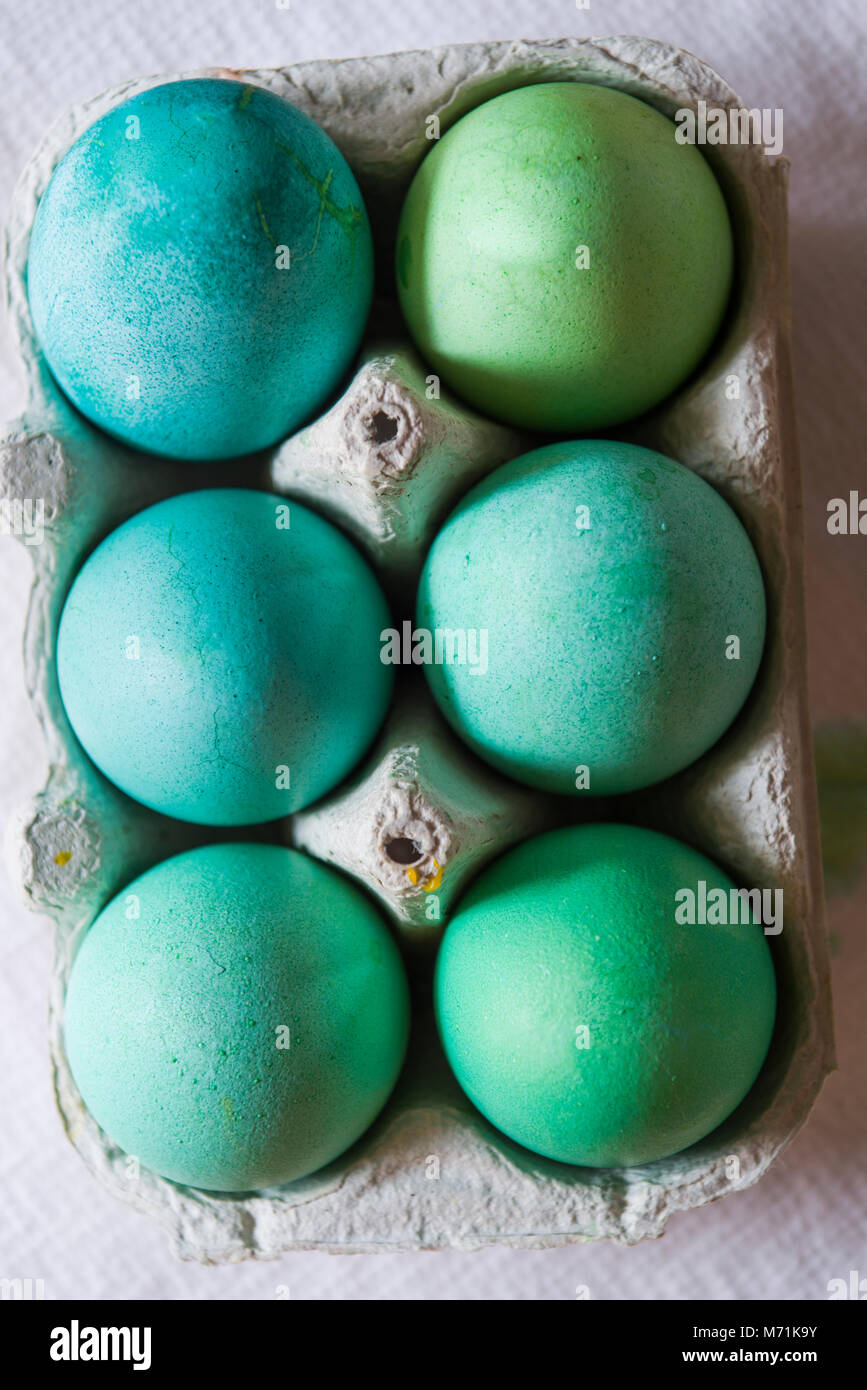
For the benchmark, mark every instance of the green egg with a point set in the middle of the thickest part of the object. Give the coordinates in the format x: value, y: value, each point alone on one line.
x: 585, y: 1015
x: 237, y: 1017
x: 562, y: 261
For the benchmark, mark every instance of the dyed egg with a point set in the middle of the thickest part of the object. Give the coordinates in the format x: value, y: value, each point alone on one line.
x: 584, y: 1016
x: 200, y: 269
x: 605, y: 615
x: 237, y: 1017
x: 562, y: 261
x: 219, y: 656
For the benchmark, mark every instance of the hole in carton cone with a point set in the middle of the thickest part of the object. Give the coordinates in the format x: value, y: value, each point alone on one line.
x: 383, y: 427
x: 403, y: 851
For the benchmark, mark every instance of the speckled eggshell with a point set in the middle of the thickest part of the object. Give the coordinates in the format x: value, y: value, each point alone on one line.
x: 200, y: 269
x: 219, y: 656
x: 562, y: 261
x: 581, y: 1018
x: 237, y: 1017
x: 610, y: 581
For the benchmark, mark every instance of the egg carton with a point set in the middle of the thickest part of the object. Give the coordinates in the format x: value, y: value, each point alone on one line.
x: 386, y: 460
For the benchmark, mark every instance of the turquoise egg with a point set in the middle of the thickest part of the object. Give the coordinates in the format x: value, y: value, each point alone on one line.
x: 219, y: 656
x: 200, y: 269
x: 607, y: 615
x: 585, y: 1015
x: 237, y: 1017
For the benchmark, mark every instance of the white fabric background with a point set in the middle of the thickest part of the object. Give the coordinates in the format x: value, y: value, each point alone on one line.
x: 806, y: 1222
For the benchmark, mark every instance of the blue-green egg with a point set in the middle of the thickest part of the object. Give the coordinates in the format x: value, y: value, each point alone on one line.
x: 219, y: 657
x: 200, y: 269
x: 236, y: 1017
x: 607, y: 614
x: 589, y: 1005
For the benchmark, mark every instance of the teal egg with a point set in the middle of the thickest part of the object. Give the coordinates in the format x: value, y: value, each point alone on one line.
x: 562, y: 261
x: 582, y: 1017
x: 200, y: 269
x: 219, y: 657
x: 237, y: 1017
x: 613, y: 607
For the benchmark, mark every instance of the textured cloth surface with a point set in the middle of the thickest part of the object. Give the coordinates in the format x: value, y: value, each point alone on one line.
x: 806, y: 1222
